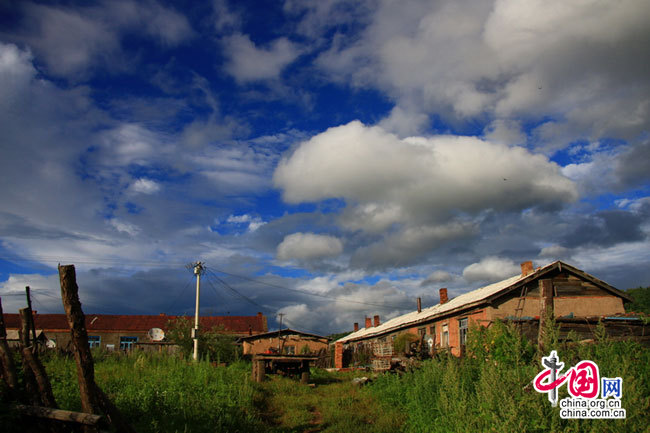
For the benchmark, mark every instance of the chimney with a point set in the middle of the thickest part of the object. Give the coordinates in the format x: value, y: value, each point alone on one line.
x: 356, y: 326
x: 376, y: 320
x: 526, y: 268
x: 368, y: 322
x: 443, y: 296
x: 419, y: 305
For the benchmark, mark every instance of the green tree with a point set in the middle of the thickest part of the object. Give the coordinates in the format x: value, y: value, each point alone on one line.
x: 213, y: 343
x: 641, y: 304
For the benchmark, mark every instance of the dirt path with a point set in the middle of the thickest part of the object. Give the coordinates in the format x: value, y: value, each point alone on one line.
x: 333, y: 405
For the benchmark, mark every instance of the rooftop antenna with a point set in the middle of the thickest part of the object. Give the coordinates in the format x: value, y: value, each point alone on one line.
x: 198, y: 270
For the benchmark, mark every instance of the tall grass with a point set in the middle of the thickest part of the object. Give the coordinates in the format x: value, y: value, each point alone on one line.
x: 164, y: 393
x: 490, y: 390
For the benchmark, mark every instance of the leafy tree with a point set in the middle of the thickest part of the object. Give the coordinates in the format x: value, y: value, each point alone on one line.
x: 213, y: 343
x: 641, y: 304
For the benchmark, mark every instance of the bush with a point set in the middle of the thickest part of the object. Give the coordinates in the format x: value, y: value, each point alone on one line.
x: 402, y: 343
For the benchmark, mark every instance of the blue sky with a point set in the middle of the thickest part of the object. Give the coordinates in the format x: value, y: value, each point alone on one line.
x: 326, y: 159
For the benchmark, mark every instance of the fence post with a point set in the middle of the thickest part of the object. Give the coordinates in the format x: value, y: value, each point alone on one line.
x: 31, y: 360
x: 93, y: 399
x: 8, y: 367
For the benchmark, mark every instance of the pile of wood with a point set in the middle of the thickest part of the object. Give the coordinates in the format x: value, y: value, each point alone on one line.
x: 37, y: 400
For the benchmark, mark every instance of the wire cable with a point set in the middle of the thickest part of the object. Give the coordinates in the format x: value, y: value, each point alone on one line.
x: 306, y: 292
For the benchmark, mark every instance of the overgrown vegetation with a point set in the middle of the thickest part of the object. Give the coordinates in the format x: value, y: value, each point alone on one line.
x: 335, y: 405
x: 159, y: 393
x: 641, y: 304
x: 490, y: 389
x: 214, y: 344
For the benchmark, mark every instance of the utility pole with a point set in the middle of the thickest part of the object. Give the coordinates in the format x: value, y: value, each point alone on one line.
x: 198, y: 269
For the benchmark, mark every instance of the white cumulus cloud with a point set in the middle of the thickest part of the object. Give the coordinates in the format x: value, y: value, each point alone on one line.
x: 491, y: 269
x: 308, y: 246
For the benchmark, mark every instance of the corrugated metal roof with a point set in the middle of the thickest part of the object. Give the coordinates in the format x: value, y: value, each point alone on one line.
x: 465, y: 299
x: 112, y: 322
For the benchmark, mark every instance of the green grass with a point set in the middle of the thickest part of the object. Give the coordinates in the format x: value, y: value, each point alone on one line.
x: 166, y: 394
x: 491, y: 393
x: 487, y: 391
x: 335, y: 405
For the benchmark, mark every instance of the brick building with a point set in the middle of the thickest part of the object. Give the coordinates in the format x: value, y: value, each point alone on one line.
x: 563, y: 289
x: 115, y: 332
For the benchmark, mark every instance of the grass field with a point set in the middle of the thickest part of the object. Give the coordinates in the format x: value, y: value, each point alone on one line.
x: 487, y: 391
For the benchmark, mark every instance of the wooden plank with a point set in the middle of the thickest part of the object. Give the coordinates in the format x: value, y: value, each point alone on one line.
x: 59, y: 414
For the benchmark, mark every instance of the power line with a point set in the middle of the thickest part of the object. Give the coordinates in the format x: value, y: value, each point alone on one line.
x: 387, y: 306
x: 241, y: 295
x: 86, y: 261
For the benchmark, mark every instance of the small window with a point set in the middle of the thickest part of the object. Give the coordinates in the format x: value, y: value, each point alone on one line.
x: 444, y: 336
x: 126, y: 343
x: 290, y: 350
x: 422, y: 332
x: 462, y: 331
x: 94, y: 341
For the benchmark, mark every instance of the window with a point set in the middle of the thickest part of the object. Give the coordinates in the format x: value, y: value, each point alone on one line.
x: 94, y: 341
x: 422, y: 332
x: 444, y: 336
x: 290, y: 350
x: 126, y: 343
x: 462, y: 331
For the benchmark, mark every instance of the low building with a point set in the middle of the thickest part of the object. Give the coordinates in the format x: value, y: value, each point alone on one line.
x: 285, y: 341
x: 123, y: 332
x: 559, y: 288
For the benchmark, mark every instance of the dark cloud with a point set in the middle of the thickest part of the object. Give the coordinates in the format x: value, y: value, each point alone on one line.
x: 632, y: 166
x: 606, y: 228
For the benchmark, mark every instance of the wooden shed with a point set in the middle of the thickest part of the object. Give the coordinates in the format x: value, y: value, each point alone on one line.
x: 285, y: 341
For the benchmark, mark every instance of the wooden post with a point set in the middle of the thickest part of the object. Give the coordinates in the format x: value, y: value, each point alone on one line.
x: 32, y: 361
x: 93, y: 399
x: 304, y: 375
x: 259, y: 370
x: 7, y: 361
x: 79, y: 337
x: 28, y: 375
x: 545, y: 310
x: 31, y: 317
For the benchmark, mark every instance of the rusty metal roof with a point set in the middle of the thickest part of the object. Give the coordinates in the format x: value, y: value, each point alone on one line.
x: 112, y: 322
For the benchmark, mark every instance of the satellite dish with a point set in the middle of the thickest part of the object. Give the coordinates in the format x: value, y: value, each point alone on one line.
x: 50, y: 344
x: 156, y: 334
